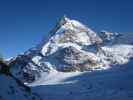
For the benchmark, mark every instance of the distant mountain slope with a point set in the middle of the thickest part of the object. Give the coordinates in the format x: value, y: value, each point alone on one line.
x: 126, y: 38
x: 117, y: 38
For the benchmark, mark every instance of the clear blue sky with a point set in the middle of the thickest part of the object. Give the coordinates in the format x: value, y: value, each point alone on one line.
x: 23, y: 23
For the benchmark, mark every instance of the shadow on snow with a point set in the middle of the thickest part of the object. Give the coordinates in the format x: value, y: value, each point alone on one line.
x: 113, y: 84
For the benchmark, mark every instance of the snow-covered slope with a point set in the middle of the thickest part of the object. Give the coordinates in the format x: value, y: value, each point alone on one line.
x: 113, y: 84
x: 71, y: 46
x: 116, y: 54
x: 12, y: 89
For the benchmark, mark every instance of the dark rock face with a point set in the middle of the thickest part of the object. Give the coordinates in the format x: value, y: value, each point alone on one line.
x: 4, y: 68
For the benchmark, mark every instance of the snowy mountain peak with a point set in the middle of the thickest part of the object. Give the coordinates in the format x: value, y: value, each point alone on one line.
x: 69, y: 32
x: 64, y: 19
x: 71, y: 46
x: 70, y: 23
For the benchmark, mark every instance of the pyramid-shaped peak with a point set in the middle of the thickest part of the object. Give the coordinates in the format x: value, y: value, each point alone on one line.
x: 70, y: 23
x: 71, y: 31
x: 64, y: 20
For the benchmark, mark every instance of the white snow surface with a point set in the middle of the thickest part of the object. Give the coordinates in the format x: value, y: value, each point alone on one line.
x: 113, y: 84
x: 11, y: 90
x: 116, y: 54
x: 54, y: 77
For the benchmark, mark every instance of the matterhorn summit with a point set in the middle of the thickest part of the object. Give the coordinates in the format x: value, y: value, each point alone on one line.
x: 70, y: 47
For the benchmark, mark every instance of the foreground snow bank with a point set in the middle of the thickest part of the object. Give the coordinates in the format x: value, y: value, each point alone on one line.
x: 10, y: 89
